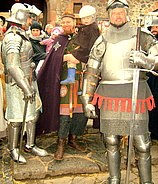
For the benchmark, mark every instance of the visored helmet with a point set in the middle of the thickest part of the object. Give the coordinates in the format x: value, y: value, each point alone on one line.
x: 153, y: 23
x: 19, y: 14
x: 87, y: 11
x: 117, y: 4
x: 33, y: 9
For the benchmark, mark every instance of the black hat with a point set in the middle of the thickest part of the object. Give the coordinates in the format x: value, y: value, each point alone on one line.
x: 36, y: 25
x: 3, y: 19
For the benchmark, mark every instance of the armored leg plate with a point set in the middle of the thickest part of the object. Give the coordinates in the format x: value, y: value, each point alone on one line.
x: 16, y: 157
x: 36, y: 151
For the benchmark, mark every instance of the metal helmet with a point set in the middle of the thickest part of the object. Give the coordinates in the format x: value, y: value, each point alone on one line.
x: 155, y: 22
x: 87, y: 11
x: 117, y: 4
x: 33, y: 9
x: 19, y: 14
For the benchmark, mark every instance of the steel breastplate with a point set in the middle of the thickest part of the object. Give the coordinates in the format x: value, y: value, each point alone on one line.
x: 115, y: 67
x: 15, y: 41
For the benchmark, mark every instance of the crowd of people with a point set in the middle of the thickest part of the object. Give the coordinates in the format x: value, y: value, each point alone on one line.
x: 53, y: 79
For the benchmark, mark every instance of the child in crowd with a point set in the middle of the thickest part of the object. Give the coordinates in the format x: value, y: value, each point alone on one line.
x: 84, y: 40
x: 48, y: 29
x: 48, y: 42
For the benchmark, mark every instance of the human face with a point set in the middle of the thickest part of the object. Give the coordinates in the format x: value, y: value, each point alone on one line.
x: 154, y: 30
x: 118, y: 16
x: 68, y: 25
x: 86, y: 20
x: 49, y: 29
x: 1, y: 22
x: 35, y: 32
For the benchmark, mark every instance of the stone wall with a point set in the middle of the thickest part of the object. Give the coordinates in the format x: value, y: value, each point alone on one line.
x: 137, y: 7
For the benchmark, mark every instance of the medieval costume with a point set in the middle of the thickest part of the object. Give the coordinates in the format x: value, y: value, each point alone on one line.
x: 20, y: 85
x: 85, y: 38
x: 49, y: 86
x: 61, y: 105
x: 52, y: 70
x: 111, y: 57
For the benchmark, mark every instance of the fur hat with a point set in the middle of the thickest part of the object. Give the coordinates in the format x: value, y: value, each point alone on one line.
x: 36, y: 25
x: 57, y: 31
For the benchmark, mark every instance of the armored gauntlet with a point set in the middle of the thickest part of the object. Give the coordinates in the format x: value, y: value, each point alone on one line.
x: 23, y: 83
x: 91, y: 78
x: 142, y: 60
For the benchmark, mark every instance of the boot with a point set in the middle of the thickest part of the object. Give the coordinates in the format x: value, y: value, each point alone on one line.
x: 13, y: 140
x: 72, y: 143
x: 30, y: 146
x: 70, y: 78
x: 14, y: 154
x: 61, y: 149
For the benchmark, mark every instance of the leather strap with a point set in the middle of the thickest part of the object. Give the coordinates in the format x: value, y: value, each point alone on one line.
x: 93, y: 75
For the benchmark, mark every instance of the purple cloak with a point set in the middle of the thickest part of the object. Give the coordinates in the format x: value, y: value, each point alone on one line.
x: 48, y: 80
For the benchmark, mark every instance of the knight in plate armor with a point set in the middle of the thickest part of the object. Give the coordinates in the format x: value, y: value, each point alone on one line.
x: 113, y: 58
x: 21, y: 86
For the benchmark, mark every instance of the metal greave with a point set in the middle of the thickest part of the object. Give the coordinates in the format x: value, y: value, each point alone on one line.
x: 30, y: 130
x: 13, y: 134
x: 112, y: 144
x: 142, y: 145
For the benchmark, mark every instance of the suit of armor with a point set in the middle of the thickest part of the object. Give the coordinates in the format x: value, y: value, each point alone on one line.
x: 20, y: 86
x: 111, y: 57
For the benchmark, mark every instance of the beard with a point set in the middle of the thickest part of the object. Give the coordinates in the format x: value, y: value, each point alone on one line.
x: 69, y: 31
x: 156, y: 36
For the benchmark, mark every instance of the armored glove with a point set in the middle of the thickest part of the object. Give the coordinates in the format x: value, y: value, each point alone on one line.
x: 29, y: 91
x: 23, y: 83
x: 89, y: 109
x: 142, y: 60
x: 90, y: 81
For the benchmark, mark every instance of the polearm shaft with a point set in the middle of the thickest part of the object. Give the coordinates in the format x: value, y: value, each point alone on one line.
x: 32, y: 66
x: 22, y: 128
x: 136, y: 73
